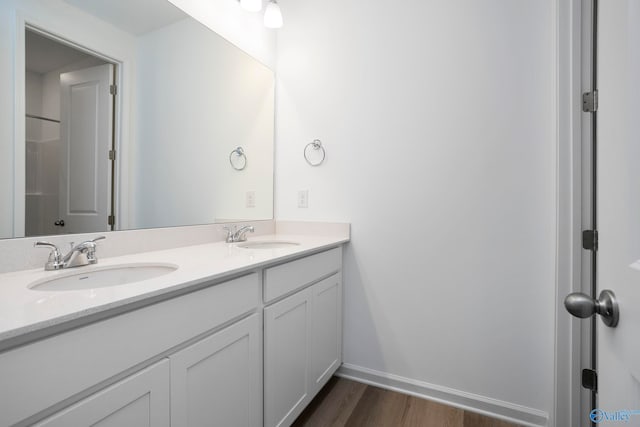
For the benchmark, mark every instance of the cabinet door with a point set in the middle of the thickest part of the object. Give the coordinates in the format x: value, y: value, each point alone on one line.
x: 141, y: 399
x: 326, y: 326
x: 286, y: 358
x: 217, y: 380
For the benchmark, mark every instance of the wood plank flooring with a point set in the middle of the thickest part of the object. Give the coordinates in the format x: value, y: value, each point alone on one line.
x: 345, y: 403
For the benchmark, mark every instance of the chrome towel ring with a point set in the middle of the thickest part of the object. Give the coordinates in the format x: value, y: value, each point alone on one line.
x: 238, y: 159
x: 314, y: 153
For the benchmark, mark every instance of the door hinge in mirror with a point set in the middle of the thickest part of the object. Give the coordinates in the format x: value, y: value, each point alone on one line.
x: 111, y: 220
x: 590, y: 102
x: 112, y: 154
x: 590, y: 240
x: 113, y: 89
x: 590, y: 379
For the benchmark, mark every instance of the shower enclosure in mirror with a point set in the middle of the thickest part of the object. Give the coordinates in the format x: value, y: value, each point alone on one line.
x: 124, y: 115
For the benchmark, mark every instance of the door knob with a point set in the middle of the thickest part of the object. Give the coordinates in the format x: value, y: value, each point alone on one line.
x: 583, y: 306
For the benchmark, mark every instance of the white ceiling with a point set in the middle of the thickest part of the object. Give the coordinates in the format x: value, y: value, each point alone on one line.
x: 133, y: 16
x: 44, y: 55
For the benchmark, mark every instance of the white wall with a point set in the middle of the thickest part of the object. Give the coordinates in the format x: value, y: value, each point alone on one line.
x: 439, y: 122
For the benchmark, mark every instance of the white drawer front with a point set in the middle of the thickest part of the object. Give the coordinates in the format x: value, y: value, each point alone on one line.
x: 286, y: 278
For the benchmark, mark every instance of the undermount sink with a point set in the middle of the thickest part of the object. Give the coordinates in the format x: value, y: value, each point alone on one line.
x: 267, y: 244
x: 100, y: 277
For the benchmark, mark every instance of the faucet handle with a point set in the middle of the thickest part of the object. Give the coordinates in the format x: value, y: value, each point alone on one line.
x: 87, y: 244
x: 230, y: 233
x: 55, y: 257
x: 91, y: 249
x: 42, y: 244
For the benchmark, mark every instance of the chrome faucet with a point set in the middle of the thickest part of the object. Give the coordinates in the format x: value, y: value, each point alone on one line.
x: 79, y: 255
x: 237, y: 235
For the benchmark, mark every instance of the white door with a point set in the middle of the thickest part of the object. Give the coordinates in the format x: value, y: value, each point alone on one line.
x: 86, y: 113
x: 618, y: 208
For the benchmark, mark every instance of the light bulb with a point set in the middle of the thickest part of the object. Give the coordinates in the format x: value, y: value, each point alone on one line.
x: 272, y: 15
x: 251, y: 5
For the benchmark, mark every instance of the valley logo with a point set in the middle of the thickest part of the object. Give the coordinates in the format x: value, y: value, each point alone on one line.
x: 624, y: 415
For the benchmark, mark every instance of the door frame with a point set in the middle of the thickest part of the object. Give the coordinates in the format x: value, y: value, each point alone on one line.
x: 123, y: 60
x: 572, y: 403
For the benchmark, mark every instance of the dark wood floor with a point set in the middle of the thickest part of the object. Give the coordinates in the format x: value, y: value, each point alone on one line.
x: 345, y: 403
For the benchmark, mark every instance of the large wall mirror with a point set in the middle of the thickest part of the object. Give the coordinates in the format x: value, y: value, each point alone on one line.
x: 129, y: 114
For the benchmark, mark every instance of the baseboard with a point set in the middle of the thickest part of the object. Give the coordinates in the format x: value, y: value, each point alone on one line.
x: 471, y: 402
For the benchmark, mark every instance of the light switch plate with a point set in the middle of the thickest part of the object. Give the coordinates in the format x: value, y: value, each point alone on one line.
x: 251, y: 199
x: 303, y: 198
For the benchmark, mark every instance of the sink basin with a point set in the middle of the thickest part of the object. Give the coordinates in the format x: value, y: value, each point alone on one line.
x: 267, y: 244
x: 100, y: 277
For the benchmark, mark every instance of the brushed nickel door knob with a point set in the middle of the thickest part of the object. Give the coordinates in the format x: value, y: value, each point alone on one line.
x: 583, y: 306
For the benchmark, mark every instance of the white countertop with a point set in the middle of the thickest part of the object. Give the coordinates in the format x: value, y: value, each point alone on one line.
x: 26, y: 311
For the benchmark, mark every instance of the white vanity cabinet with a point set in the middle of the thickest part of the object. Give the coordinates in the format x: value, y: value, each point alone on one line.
x: 141, y: 399
x: 104, y: 364
x: 217, y: 381
x: 251, y: 351
x: 302, y: 333
x: 214, y: 382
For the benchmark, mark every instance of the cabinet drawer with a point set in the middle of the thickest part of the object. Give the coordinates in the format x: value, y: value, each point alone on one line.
x: 286, y: 278
x: 39, y: 375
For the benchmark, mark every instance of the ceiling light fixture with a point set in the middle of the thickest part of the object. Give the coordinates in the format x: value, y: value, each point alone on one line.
x: 273, y: 15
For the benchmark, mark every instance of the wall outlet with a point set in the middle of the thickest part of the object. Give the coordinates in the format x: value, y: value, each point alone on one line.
x: 303, y: 198
x: 251, y: 199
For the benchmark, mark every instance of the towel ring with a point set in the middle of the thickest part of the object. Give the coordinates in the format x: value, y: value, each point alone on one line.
x: 238, y: 159
x: 315, y: 145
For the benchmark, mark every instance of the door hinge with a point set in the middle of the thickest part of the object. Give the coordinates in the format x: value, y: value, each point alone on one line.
x: 111, y: 220
x: 590, y: 102
x: 590, y: 379
x: 113, y: 89
x: 590, y: 240
x: 112, y: 154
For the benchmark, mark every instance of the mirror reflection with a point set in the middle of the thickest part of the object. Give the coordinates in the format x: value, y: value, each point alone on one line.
x: 145, y: 128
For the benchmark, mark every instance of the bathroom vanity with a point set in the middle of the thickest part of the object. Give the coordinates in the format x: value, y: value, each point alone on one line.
x: 155, y: 333
x: 235, y: 336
